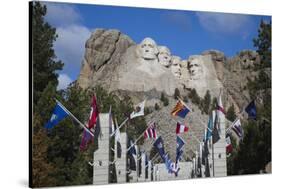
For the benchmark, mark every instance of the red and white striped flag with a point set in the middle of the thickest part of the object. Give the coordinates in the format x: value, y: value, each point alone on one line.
x: 150, y: 132
x: 181, y: 128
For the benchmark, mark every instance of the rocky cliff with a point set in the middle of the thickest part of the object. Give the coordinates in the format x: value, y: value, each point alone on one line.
x: 145, y: 70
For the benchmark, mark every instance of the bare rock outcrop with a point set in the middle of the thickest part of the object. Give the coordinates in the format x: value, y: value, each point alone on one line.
x: 145, y: 70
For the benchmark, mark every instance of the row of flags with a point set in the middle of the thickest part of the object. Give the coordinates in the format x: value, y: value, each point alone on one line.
x: 181, y: 110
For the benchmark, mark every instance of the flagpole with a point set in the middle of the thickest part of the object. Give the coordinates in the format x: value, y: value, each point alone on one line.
x: 213, y: 158
x: 81, y: 124
x: 139, y: 136
x: 122, y: 124
x: 231, y: 125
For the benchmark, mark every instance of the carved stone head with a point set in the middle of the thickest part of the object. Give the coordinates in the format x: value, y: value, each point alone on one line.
x: 147, y: 49
x: 195, y: 67
x: 176, y: 66
x: 164, y: 56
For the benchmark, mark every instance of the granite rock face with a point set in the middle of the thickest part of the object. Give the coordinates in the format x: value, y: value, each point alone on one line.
x: 103, y: 47
x: 147, y: 69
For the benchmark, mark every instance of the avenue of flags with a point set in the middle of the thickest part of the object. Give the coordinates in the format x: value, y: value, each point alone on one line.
x: 212, y: 131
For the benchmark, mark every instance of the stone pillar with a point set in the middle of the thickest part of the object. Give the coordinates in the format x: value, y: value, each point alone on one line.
x: 149, y: 172
x: 101, y: 155
x: 220, y: 169
x: 155, y: 173
x: 189, y: 169
x: 120, y: 163
x: 142, y: 174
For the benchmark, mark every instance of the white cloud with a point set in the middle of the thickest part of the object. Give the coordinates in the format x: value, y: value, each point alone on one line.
x: 223, y: 22
x: 64, y: 81
x: 62, y: 14
x: 72, y: 35
x: 70, y: 45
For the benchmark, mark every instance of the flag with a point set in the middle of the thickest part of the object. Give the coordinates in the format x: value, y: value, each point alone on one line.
x: 199, y: 161
x: 179, y: 155
x: 251, y: 110
x: 181, y: 128
x: 168, y: 162
x: 132, y: 163
x: 237, y: 128
x: 59, y: 113
x: 159, y: 145
x: 132, y: 150
x: 131, y: 155
x: 94, y: 113
x: 150, y: 132
x: 229, y: 147
x: 220, y: 105
x: 220, y: 112
x: 180, y: 143
x: 139, y: 110
x: 205, y: 152
x: 179, y: 152
x: 117, y: 140
x: 209, y: 128
x: 146, y: 163
x: 215, y: 133
x: 86, y: 138
x: 180, y: 109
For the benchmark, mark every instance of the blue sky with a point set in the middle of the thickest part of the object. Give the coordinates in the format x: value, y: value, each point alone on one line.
x: 185, y: 33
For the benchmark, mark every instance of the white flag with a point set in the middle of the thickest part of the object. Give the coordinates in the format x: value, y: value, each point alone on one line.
x: 139, y: 110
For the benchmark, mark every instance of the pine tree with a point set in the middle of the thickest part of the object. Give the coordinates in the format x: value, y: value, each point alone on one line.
x: 156, y: 107
x: 254, y: 151
x: 43, y: 55
x: 206, y: 102
x: 263, y: 43
x: 230, y: 114
x: 164, y: 99
x: 194, y: 97
x: 177, y: 93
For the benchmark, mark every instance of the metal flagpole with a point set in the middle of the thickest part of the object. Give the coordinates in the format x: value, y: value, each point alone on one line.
x: 81, y: 124
x: 140, y: 136
x: 231, y: 125
x: 122, y: 124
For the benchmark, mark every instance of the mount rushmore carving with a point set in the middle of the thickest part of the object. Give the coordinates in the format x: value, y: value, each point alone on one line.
x: 116, y: 62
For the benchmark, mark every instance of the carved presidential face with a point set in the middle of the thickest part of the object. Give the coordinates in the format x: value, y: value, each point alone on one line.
x: 176, y: 66
x: 148, y: 49
x: 195, y: 68
x: 164, y: 56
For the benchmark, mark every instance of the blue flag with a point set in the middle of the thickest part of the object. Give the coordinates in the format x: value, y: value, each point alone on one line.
x: 179, y: 155
x: 58, y: 114
x: 180, y: 143
x: 168, y: 163
x: 132, y: 150
x: 209, y: 129
x: 251, y: 110
x: 159, y: 145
